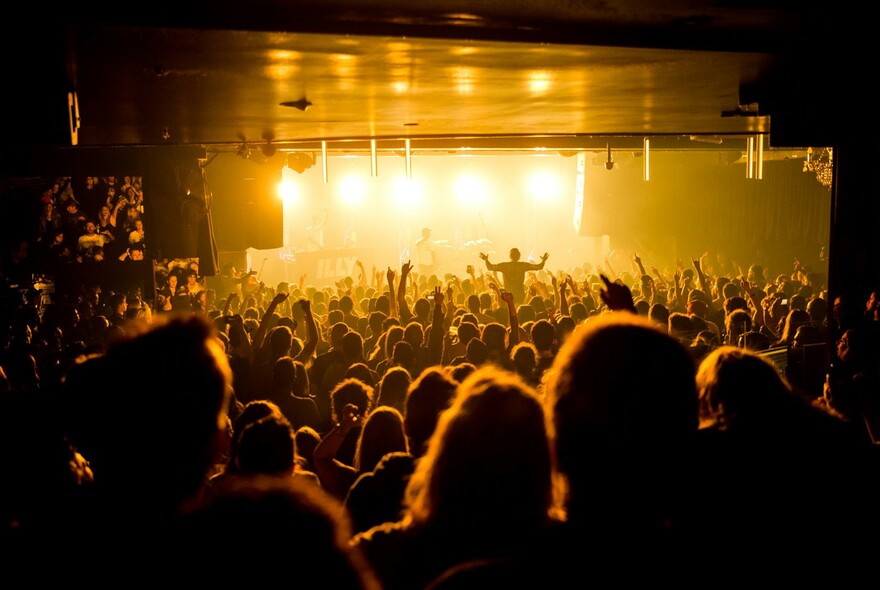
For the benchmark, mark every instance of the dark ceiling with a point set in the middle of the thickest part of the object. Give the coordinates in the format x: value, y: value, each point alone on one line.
x: 499, y: 73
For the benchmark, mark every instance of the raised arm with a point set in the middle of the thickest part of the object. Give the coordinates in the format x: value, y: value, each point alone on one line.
x: 639, y: 266
x: 563, y: 300
x: 513, y: 338
x: 239, y: 339
x: 260, y: 334
x: 435, y: 340
x: 392, y: 298
x: 540, y: 265
x: 362, y: 280
x: 403, y: 310
x: 489, y: 265
x: 313, y: 335
x: 701, y: 276
x: 572, y: 284
x: 616, y: 295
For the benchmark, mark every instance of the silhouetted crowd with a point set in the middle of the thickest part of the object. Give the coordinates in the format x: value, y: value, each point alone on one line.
x: 407, y: 431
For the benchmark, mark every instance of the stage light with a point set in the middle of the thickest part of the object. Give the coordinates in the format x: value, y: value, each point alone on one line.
x: 288, y: 188
x: 543, y: 187
x: 352, y: 190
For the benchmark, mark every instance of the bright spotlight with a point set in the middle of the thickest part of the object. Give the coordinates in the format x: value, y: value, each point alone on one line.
x: 408, y: 193
x: 288, y: 189
x: 539, y: 82
x: 352, y: 190
x: 544, y: 186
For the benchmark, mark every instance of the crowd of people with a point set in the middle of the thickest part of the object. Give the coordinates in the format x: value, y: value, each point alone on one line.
x: 402, y: 430
x: 89, y: 219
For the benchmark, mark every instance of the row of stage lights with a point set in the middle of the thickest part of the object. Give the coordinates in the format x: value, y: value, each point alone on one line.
x: 468, y: 189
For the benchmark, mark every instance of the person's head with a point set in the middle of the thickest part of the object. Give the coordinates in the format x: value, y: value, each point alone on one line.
x: 488, y: 467
x: 428, y: 395
x: 681, y: 326
x: 352, y: 346
x: 737, y: 322
x: 393, y: 387
x: 337, y: 331
x: 426, y: 233
x: 807, y: 334
x: 477, y: 352
x: 421, y: 308
x: 266, y: 445
x: 187, y: 434
x: 603, y: 394
x: 525, y: 360
x: 350, y: 391
x: 118, y: 303
x: 494, y: 335
x: 382, y: 433
x: 414, y: 333
x: 467, y: 331
x: 794, y: 319
x: 361, y: 372
x: 515, y: 254
x: 280, y: 340
x: 375, y: 320
x: 818, y: 310
x: 272, y: 518
x: 742, y: 391
x: 393, y: 335
x: 403, y: 355
x: 543, y: 335
x: 659, y: 314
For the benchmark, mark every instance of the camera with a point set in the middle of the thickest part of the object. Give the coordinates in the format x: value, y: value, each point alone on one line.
x: 784, y: 302
x: 609, y: 165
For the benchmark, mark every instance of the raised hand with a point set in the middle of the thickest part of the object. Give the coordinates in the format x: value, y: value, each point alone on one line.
x: 545, y: 256
x: 405, y: 268
x: 506, y: 296
x: 616, y: 295
x: 390, y: 274
x: 438, y: 295
x: 306, y: 305
x: 484, y: 256
x: 280, y: 298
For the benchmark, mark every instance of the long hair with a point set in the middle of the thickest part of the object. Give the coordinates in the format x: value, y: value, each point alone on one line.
x: 488, y: 463
x: 381, y: 434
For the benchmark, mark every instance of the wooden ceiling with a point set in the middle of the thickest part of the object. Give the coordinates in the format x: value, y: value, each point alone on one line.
x: 499, y: 74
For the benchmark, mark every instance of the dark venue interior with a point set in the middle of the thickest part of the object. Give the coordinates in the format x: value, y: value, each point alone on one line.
x: 317, y: 150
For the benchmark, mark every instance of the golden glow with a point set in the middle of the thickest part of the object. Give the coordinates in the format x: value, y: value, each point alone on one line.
x: 408, y: 193
x: 539, y: 82
x: 544, y: 187
x: 464, y: 50
x: 283, y: 64
x: 352, y: 190
x: 470, y: 190
x: 464, y: 79
x: 343, y: 68
x: 400, y: 87
x: 288, y: 189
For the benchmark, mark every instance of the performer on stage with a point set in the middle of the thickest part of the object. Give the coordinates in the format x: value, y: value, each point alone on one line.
x: 514, y: 271
x: 315, y: 233
x: 426, y: 253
